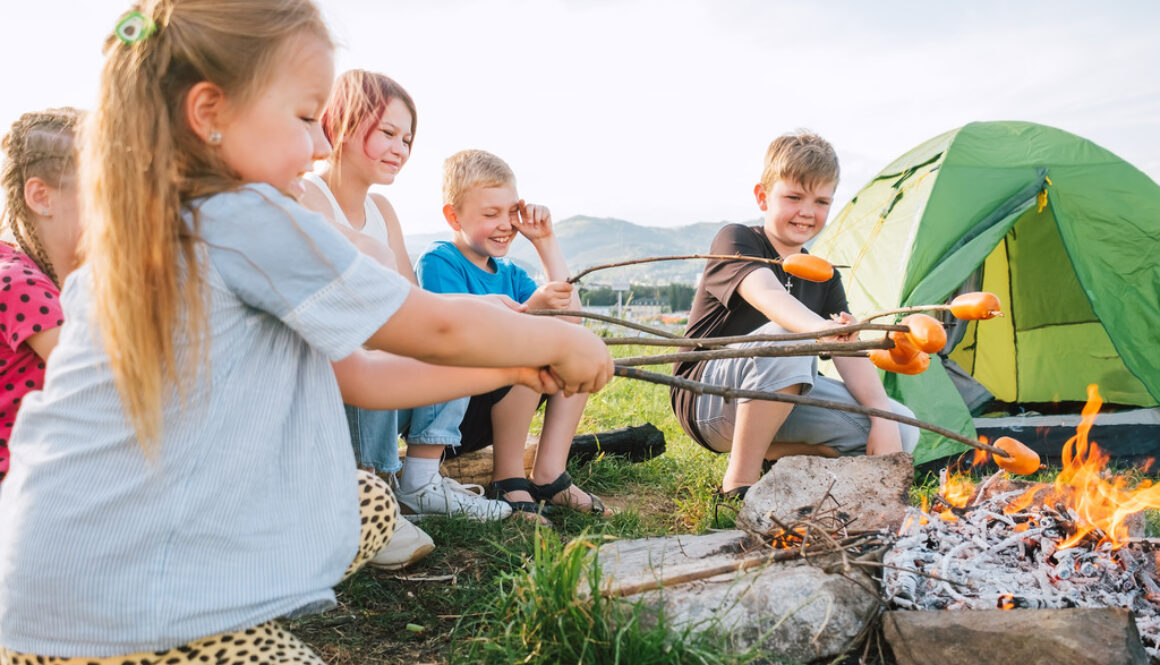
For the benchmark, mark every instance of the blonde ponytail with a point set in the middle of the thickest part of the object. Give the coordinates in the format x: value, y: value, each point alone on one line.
x: 142, y: 165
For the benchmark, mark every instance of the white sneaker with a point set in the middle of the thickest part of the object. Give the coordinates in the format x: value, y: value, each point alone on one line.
x: 445, y: 496
x: 407, y: 545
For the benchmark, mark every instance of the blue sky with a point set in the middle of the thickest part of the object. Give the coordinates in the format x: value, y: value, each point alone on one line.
x: 659, y: 111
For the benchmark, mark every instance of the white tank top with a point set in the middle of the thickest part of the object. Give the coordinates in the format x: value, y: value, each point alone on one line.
x: 375, y: 226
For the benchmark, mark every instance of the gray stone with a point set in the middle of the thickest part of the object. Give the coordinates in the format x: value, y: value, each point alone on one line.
x: 1078, y: 636
x: 871, y: 492
x: 791, y: 610
x: 628, y: 562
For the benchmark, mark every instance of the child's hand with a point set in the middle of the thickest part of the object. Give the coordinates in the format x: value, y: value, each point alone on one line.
x: 843, y: 319
x: 535, y: 222
x: 584, y: 365
x: 553, y: 295
x: 539, y: 380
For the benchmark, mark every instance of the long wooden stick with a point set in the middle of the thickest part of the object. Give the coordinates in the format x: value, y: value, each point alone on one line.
x: 652, y: 259
x: 905, y: 310
x: 709, y: 341
x: 701, y: 388
x: 751, y: 561
x: 717, y: 342
x: 607, y: 319
x: 778, y: 351
x: 914, y: 308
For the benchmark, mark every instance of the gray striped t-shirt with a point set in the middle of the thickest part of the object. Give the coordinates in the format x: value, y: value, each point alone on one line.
x: 247, y: 510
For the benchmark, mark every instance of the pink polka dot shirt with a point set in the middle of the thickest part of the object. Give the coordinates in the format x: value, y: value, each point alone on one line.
x: 29, y: 304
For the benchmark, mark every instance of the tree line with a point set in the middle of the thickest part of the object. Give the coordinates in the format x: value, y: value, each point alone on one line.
x: 678, y: 297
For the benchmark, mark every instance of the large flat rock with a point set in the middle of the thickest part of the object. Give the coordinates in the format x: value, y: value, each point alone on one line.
x: 792, y: 611
x: 869, y: 492
x: 1078, y: 636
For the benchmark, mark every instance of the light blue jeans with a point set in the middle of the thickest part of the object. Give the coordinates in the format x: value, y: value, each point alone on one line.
x: 375, y: 434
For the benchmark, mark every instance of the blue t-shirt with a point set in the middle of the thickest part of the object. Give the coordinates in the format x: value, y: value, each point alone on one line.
x: 247, y: 508
x: 444, y: 269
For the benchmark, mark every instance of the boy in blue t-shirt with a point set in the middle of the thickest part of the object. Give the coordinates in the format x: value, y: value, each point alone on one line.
x: 485, y: 213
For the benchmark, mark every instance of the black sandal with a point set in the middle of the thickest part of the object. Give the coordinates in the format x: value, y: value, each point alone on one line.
x: 544, y: 494
x: 735, y: 494
x: 502, y: 487
x: 731, y: 500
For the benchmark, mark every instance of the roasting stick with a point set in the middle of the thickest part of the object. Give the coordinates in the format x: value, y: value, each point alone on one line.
x: 708, y: 342
x: 717, y: 342
x: 730, y: 393
x: 780, y: 351
x: 974, y: 306
x: 607, y: 319
x: 761, y: 558
x: 701, y: 388
x: 652, y: 259
x: 906, y: 310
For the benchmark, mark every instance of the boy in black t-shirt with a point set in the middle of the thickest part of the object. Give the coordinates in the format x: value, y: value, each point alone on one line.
x: 742, y: 297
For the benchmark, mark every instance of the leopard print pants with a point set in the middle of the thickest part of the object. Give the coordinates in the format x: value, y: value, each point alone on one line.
x: 268, y: 643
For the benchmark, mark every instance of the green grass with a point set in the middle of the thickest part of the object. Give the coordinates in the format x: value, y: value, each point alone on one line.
x: 683, y: 480
x: 551, y: 611
x: 507, y: 593
x: 443, y: 609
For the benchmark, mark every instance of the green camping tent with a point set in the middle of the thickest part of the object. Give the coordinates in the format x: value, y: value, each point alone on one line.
x: 1063, y: 231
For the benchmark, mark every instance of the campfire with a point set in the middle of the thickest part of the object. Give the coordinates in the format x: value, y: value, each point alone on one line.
x: 1013, y: 544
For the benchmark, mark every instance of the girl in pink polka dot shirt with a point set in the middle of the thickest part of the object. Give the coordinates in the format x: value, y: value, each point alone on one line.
x: 39, y: 183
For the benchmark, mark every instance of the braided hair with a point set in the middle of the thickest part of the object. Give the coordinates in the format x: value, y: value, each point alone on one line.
x: 41, y: 144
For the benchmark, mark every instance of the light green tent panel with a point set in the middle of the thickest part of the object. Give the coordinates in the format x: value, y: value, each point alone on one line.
x: 994, y: 352
x: 885, y: 208
x: 1066, y: 233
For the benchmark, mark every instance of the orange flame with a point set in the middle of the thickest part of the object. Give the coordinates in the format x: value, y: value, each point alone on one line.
x: 957, y: 489
x: 1101, y: 502
x: 981, y: 456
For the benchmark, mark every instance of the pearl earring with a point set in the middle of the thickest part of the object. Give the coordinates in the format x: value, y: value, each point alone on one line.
x: 214, y: 138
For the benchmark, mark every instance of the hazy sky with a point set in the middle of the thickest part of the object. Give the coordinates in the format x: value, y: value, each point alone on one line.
x: 659, y: 112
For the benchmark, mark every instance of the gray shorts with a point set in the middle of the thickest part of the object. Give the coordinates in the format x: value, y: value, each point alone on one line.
x: 844, y: 431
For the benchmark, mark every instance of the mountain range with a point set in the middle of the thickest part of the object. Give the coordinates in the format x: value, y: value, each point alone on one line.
x: 589, y: 241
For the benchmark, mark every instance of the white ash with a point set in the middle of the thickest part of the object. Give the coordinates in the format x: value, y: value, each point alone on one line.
x: 985, y: 563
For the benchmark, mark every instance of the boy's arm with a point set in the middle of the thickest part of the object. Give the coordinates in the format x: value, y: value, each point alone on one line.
x: 764, y: 292
x: 861, y: 379
x: 536, y: 225
x: 378, y: 380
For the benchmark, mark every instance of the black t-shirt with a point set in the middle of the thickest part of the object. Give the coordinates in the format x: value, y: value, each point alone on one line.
x: 719, y: 311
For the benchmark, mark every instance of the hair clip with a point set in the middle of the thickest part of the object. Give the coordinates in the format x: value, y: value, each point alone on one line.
x: 134, y: 28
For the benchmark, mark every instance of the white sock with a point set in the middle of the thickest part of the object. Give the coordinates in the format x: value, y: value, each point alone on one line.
x: 418, y: 472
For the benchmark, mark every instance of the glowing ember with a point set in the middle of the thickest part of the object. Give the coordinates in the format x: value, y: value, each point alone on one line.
x: 1016, y: 545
